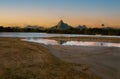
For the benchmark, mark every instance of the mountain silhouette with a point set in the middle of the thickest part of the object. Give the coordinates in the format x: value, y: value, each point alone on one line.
x: 61, y: 26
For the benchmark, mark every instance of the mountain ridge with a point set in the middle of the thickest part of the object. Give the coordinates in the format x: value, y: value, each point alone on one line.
x: 61, y: 26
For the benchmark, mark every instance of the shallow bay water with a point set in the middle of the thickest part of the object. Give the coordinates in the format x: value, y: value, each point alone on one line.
x: 32, y: 38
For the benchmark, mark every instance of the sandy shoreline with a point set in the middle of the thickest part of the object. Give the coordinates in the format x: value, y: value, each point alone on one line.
x: 26, y: 60
x: 88, y: 61
x: 102, y: 61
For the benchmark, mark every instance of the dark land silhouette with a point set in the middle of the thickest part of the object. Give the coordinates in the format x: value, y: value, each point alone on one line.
x: 64, y: 28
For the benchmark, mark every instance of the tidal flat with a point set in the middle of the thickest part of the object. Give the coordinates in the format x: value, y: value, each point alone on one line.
x: 25, y: 60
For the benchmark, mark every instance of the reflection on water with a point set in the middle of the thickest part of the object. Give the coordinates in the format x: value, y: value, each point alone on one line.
x: 30, y: 34
x: 73, y: 43
x: 43, y: 41
x: 53, y: 42
x: 79, y: 43
x: 20, y: 34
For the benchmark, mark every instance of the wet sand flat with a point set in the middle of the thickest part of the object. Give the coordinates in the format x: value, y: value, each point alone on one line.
x: 26, y: 60
x: 102, y: 61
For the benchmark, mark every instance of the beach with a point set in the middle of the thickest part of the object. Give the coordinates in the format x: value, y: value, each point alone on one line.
x: 102, y: 61
x: 25, y: 60
x: 28, y: 60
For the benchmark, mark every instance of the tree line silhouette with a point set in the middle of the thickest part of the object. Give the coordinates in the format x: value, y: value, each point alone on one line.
x: 89, y: 31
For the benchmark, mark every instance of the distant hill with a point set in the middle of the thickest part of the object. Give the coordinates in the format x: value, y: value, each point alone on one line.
x: 61, y: 26
x: 81, y: 27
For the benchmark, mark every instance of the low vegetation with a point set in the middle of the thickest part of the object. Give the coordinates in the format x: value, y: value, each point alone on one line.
x: 88, y: 31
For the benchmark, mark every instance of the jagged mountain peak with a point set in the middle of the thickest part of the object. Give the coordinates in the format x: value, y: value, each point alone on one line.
x: 61, y: 21
x: 62, y: 25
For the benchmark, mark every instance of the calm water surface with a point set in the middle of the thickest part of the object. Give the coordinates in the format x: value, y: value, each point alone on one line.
x: 31, y: 37
x: 29, y: 34
x: 73, y: 43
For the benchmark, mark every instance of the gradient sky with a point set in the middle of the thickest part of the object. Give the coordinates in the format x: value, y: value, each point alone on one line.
x: 49, y: 12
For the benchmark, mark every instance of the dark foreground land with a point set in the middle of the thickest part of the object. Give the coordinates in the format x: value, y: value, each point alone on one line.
x: 24, y: 60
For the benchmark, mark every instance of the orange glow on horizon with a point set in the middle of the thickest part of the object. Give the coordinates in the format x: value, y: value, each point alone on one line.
x: 50, y: 23
x: 50, y: 20
x: 48, y: 13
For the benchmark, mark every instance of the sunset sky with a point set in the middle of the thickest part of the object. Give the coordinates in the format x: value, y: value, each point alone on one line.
x: 48, y: 12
